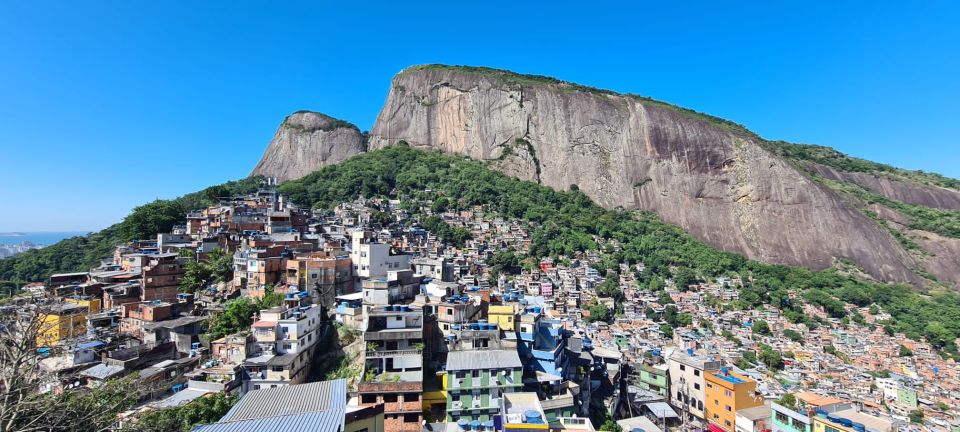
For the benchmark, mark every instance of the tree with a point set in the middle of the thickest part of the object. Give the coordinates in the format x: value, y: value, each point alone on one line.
x: 667, y: 330
x: 610, y: 426
x: 916, y: 416
x: 23, y: 408
x: 905, y: 352
x: 770, y: 357
x: 788, y: 400
x: 599, y: 312
x: 684, y: 278
x: 204, y: 410
x: 793, y: 335
x: 761, y: 327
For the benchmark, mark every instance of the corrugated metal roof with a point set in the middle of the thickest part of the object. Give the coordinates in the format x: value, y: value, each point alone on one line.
x: 290, y: 400
x: 332, y: 421
x: 483, y: 359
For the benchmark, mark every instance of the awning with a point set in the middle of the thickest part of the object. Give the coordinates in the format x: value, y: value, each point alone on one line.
x: 661, y: 410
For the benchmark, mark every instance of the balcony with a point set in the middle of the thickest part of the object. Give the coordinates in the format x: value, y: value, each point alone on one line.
x: 393, y: 334
x: 394, y: 353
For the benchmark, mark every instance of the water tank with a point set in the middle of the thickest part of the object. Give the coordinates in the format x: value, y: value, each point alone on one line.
x: 531, y: 416
x: 859, y: 427
x: 462, y: 423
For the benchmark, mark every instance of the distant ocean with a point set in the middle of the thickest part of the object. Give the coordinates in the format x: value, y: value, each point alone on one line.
x: 45, y: 238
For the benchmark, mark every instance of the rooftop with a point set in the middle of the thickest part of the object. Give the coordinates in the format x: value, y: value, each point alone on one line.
x: 483, y: 359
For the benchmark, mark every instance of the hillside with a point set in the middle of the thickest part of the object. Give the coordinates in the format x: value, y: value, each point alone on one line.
x: 770, y: 201
x: 84, y: 252
x: 562, y: 223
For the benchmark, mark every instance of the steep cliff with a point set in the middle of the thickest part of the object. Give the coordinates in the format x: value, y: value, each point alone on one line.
x: 307, y: 141
x: 718, y: 181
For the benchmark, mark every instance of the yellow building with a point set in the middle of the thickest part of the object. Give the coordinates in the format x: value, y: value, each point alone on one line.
x: 60, y: 322
x: 727, y: 392
x: 502, y: 315
x: 850, y: 420
x: 92, y: 303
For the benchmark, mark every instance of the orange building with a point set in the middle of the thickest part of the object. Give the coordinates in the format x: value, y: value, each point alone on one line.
x: 727, y: 392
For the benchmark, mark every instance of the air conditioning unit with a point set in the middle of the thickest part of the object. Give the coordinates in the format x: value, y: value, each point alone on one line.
x: 457, y: 404
x: 476, y: 403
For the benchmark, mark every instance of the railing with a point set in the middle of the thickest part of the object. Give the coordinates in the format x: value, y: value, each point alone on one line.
x: 393, y: 353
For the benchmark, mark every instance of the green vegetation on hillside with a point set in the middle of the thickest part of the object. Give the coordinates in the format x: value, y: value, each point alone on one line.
x: 335, y: 123
x: 203, y: 410
x: 563, y: 223
x: 84, y: 252
x: 943, y: 222
x: 834, y: 159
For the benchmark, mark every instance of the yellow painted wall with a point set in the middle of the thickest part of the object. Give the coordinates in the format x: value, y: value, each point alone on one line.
x: 716, y: 400
x: 502, y: 315
x: 55, y: 328
x: 92, y: 303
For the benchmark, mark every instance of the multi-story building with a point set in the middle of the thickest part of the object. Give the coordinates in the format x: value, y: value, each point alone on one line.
x: 654, y: 378
x: 161, y: 277
x: 476, y: 380
x: 503, y: 315
x: 727, y: 392
x: 456, y: 310
x: 372, y: 259
x: 798, y: 419
x: 285, y: 340
x: 324, y: 274
x: 393, y: 365
x: 60, y: 322
x: 850, y: 420
x: 687, y: 385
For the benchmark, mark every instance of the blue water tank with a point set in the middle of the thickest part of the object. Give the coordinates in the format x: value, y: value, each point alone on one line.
x: 859, y: 427
x: 533, y: 417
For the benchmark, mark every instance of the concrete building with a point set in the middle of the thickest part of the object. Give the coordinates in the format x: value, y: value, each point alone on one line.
x: 687, y: 384
x: 728, y: 392
x: 476, y: 380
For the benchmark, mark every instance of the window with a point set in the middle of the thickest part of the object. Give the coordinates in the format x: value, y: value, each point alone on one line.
x: 728, y: 408
x: 696, y: 386
x: 727, y: 393
x: 727, y: 422
x: 700, y: 405
x: 696, y: 372
x: 709, y: 385
x: 475, y: 373
x: 782, y: 418
x: 390, y: 397
x: 449, y: 311
x: 455, y: 396
x: 679, y: 396
x: 683, y: 368
x: 368, y: 398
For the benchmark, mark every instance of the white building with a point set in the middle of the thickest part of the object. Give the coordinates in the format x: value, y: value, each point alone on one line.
x: 372, y: 259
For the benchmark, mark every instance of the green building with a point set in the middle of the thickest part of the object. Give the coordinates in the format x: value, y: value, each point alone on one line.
x: 654, y: 378
x: 476, y: 381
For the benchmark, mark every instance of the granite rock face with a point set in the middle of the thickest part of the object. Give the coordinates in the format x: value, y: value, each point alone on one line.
x: 716, y: 182
x: 307, y: 141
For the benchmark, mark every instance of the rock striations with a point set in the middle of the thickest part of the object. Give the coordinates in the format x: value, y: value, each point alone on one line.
x: 715, y: 179
x: 307, y: 141
x: 711, y: 177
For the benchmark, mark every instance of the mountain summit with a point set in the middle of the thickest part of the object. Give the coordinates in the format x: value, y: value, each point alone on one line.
x: 771, y: 201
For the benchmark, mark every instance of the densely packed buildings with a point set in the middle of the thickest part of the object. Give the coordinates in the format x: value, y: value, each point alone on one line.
x: 443, y: 340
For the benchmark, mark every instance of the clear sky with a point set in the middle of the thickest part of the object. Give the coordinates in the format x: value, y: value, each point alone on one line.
x: 106, y: 105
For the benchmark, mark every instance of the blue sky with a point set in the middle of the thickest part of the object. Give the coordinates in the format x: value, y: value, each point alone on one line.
x: 106, y: 105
